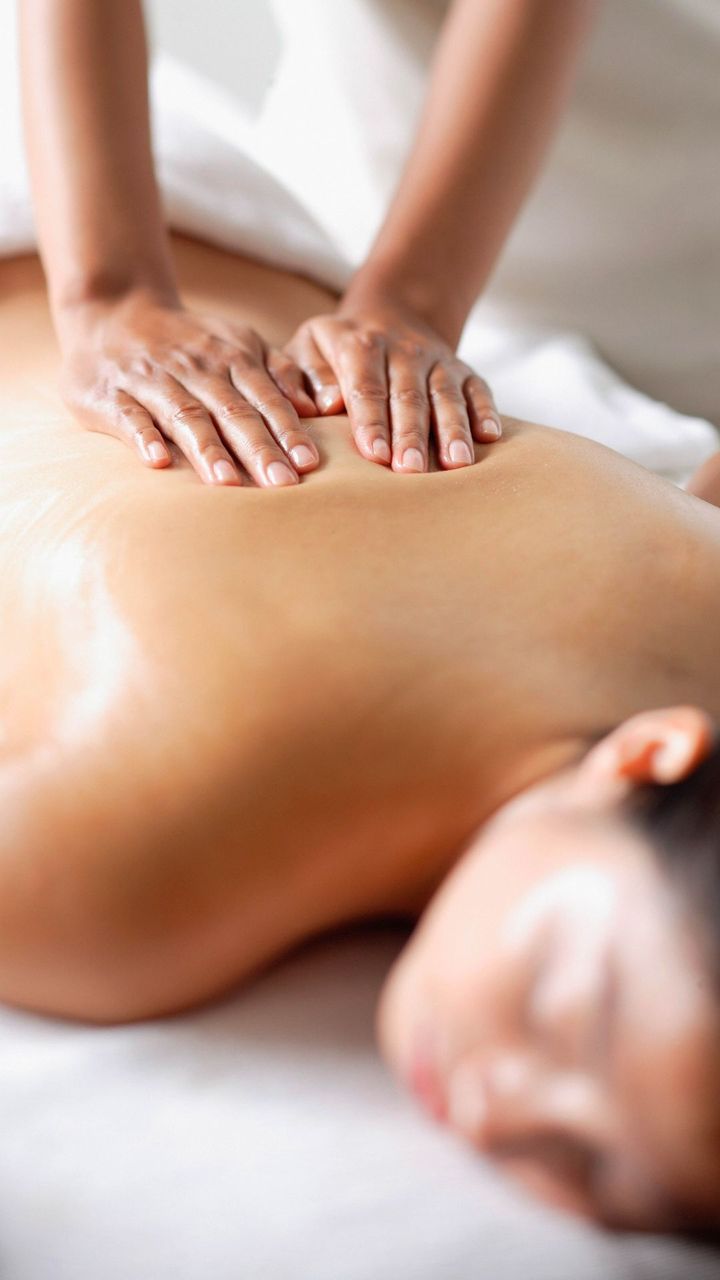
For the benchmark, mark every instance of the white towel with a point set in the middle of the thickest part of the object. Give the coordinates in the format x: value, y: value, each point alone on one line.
x: 619, y: 240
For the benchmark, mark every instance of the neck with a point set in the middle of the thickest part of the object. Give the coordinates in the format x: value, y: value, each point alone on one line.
x: 403, y: 883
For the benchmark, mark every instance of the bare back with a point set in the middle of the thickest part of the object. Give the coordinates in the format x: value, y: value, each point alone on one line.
x: 244, y: 691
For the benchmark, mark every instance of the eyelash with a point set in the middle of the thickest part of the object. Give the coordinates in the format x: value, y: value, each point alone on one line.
x: 565, y: 1157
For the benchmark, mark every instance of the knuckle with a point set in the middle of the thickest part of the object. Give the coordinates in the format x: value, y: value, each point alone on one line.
x: 409, y: 347
x: 361, y: 342
x: 240, y: 366
x: 141, y: 367
x: 440, y: 381
x: 127, y: 413
x: 477, y: 386
x: 183, y: 362
x: 367, y: 391
x: 447, y: 394
x: 211, y: 343
x: 270, y: 405
x: 261, y: 453
x: 332, y: 326
x: 305, y: 337
x: 207, y: 363
x: 410, y: 397
x: 235, y: 411
x: 411, y: 437
x: 189, y: 415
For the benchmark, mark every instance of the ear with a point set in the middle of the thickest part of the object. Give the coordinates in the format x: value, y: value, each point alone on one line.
x: 655, y: 746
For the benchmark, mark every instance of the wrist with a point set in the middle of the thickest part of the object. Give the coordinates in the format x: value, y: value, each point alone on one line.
x: 441, y: 308
x: 108, y: 286
x: 87, y: 303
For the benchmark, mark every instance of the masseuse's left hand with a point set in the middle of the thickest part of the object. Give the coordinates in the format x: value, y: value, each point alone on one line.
x: 400, y: 382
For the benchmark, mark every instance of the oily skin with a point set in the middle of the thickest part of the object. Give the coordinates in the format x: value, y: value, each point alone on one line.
x: 279, y: 711
x: 311, y: 703
x: 555, y: 1009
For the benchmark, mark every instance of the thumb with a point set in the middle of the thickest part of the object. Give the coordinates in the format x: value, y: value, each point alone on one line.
x: 319, y: 373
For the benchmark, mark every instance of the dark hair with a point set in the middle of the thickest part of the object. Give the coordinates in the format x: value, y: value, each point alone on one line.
x: 682, y: 823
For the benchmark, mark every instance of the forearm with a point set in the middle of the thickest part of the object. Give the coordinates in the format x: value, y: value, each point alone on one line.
x: 86, y: 116
x: 705, y: 483
x: 501, y: 76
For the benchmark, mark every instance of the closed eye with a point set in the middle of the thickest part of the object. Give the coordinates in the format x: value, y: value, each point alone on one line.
x: 568, y: 1159
x: 583, y: 1031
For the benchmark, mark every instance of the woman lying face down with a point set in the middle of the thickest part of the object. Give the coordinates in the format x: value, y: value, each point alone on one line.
x: 558, y: 1006
x: 232, y: 719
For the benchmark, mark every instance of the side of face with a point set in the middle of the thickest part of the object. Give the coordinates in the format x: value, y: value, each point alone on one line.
x: 554, y: 1005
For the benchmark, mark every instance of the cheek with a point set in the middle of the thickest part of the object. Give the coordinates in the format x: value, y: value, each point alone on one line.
x: 462, y: 977
x: 445, y: 996
x: 394, y: 1014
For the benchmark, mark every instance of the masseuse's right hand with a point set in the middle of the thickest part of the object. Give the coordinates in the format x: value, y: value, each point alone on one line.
x: 147, y: 371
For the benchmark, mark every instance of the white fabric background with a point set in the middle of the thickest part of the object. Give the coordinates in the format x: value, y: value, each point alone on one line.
x: 619, y: 240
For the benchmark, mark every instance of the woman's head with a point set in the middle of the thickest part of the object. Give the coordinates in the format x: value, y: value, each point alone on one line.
x: 559, y: 1004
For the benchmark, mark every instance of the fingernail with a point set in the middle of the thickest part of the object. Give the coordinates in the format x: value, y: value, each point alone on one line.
x: 413, y: 459
x: 490, y: 427
x: 156, y: 451
x: 225, y: 472
x: 328, y: 397
x: 303, y: 456
x: 381, y: 450
x: 466, y: 1102
x: 459, y: 452
x: 278, y: 473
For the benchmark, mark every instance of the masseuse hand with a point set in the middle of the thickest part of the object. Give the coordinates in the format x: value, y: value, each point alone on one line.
x: 147, y: 371
x: 401, y: 383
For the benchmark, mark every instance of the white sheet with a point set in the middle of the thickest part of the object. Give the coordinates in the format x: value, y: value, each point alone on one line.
x: 261, y: 1139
